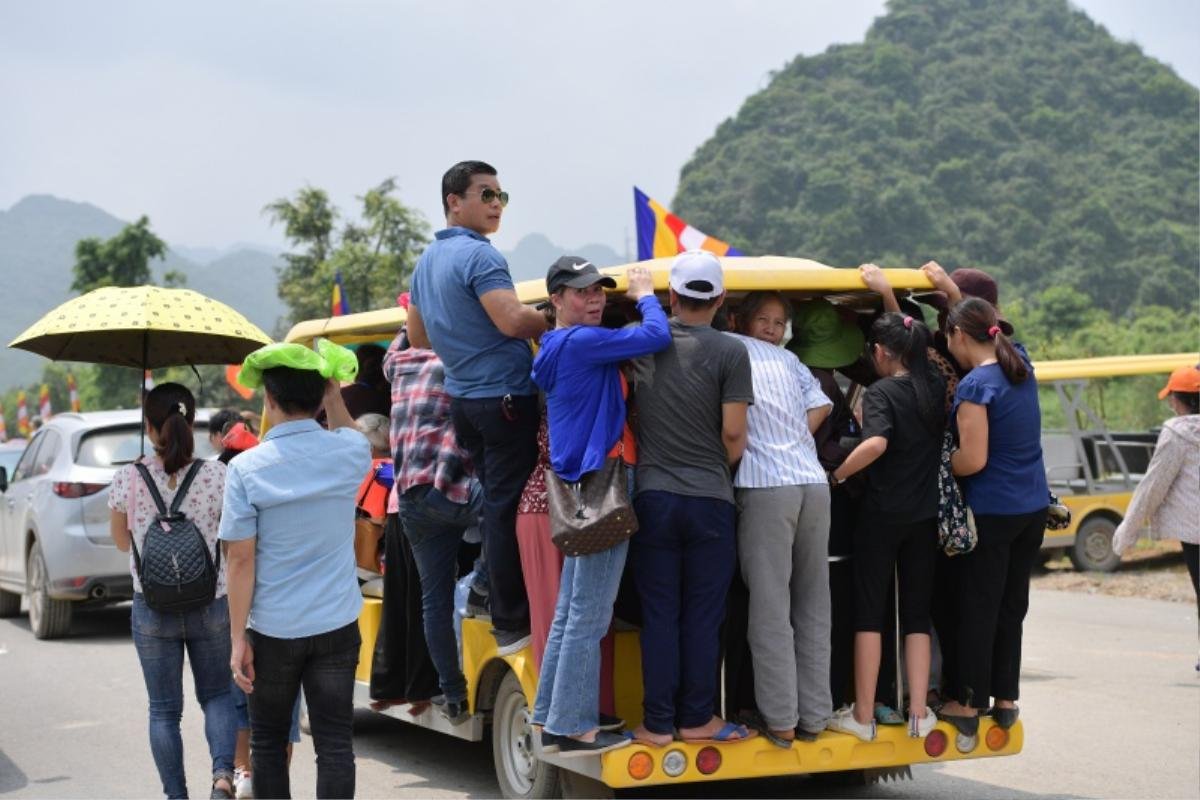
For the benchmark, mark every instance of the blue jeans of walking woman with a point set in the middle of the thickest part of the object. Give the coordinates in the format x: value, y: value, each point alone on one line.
x: 160, y: 640
x: 568, y: 699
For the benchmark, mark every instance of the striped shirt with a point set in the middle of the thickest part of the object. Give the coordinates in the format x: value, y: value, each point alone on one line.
x: 780, y: 450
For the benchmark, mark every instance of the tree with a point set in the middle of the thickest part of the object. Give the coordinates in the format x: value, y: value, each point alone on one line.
x: 375, y: 256
x: 123, y: 260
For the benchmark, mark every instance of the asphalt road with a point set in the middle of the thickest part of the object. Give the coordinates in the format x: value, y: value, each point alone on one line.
x: 1111, y: 707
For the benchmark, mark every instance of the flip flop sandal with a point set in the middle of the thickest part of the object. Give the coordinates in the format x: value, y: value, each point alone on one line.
x: 754, y: 720
x: 730, y: 732
x: 886, y: 715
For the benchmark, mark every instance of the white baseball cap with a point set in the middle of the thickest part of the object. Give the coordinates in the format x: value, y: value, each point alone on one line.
x: 697, y: 274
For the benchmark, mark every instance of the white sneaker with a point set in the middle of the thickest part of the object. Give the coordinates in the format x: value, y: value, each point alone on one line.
x: 920, y: 727
x: 844, y: 722
x: 243, y: 786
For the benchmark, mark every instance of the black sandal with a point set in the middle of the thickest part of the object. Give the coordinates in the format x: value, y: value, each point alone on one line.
x: 967, y: 726
x: 1004, y: 717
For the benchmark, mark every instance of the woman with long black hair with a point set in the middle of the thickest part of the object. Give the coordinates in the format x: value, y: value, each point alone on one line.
x: 902, y: 419
x: 159, y: 637
x: 999, y: 424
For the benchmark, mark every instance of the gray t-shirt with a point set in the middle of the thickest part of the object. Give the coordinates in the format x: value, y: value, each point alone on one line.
x: 678, y: 394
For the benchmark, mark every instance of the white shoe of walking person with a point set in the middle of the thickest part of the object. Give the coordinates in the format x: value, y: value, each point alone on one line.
x: 920, y: 727
x: 844, y: 722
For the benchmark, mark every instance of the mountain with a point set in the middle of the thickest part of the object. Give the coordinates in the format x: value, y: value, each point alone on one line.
x: 534, y: 254
x: 37, y: 252
x: 1016, y: 136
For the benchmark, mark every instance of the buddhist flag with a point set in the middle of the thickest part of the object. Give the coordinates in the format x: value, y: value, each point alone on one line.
x: 3, y: 426
x: 73, y: 391
x: 661, y: 234
x: 22, y: 416
x: 338, y: 306
x: 231, y: 373
x: 44, y: 403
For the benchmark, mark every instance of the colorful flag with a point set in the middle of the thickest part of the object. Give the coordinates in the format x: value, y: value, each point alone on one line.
x: 23, y: 429
x: 338, y: 306
x: 231, y: 373
x: 44, y: 403
x: 147, y: 381
x: 661, y: 234
x: 3, y: 426
x: 73, y: 390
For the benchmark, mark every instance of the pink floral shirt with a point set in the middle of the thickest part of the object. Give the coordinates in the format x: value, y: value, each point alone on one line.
x: 202, y: 504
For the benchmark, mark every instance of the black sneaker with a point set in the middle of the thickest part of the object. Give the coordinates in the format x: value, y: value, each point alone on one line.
x: 550, y: 742
x: 510, y: 642
x: 604, y: 742
x: 477, y: 605
x: 610, y: 723
x: 457, y: 713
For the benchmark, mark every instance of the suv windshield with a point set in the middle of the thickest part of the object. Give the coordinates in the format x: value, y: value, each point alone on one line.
x: 112, y: 447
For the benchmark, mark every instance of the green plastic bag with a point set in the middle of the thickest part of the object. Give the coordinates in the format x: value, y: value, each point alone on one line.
x: 329, y: 359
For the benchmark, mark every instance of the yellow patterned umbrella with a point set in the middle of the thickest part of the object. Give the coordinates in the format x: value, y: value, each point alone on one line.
x: 146, y: 327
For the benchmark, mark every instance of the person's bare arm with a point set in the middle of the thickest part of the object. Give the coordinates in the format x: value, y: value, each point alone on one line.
x: 239, y: 560
x: 971, y: 455
x: 118, y: 529
x: 511, y: 317
x: 816, y: 416
x: 941, y: 281
x: 877, y: 282
x: 863, y: 456
x: 417, y: 337
x: 733, y: 430
x: 336, y: 413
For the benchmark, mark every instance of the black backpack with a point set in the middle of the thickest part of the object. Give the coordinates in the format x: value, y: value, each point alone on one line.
x: 175, y: 567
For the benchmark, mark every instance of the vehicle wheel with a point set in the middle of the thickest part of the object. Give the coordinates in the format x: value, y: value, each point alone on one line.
x: 10, y: 604
x: 48, y: 618
x: 1092, y: 551
x: 518, y: 770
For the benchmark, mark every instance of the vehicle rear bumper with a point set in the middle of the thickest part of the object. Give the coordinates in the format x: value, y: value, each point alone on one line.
x: 102, y: 587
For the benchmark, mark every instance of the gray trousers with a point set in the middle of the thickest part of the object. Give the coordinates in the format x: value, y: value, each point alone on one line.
x: 783, y: 546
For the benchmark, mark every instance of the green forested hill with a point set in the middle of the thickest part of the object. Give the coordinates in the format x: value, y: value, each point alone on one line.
x: 1015, y: 136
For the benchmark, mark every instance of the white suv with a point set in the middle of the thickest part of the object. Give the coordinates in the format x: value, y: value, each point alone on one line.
x: 55, y: 546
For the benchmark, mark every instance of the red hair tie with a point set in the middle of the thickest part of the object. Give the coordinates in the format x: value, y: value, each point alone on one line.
x: 993, y: 331
x: 908, y: 322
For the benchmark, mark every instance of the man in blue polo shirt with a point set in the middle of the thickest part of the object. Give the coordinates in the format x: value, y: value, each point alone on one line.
x: 463, y: 305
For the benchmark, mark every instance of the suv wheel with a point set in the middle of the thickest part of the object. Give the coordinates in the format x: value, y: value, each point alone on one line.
x: 48, y: 618
x: 10, y: 604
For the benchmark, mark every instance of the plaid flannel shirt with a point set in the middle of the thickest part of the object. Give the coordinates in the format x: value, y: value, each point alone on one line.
x: 424, y: 444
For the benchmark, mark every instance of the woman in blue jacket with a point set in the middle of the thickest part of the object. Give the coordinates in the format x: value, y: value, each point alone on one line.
x: 577, y: 368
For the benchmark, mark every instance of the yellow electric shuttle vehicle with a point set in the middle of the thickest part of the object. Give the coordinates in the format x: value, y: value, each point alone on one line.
x: 502, y: 688
x: 1094, y: 471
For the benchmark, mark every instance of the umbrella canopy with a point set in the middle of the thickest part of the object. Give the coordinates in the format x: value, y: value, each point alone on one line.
x: 146, y: 327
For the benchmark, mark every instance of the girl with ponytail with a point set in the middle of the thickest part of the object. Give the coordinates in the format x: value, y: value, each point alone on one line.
x: 998, y: 423
x: 160, y: 638
x: 903, y: 420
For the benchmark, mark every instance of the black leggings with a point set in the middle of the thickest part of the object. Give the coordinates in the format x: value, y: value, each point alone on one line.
x: 878, y: 549
x: 993, y: 599
x: 1191, y: 557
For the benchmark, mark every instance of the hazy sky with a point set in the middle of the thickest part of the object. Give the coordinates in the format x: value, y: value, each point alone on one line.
x: 199, y: 114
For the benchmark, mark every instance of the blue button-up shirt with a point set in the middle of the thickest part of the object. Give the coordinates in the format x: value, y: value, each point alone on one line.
x: 457, y: 269
x: 295, y: 493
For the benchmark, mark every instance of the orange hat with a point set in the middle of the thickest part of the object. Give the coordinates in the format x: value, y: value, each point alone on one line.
x: 1184, y: 379
x: 239, y: 438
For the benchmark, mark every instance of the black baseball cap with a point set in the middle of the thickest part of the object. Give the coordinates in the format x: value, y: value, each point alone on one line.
x: 577, y: 273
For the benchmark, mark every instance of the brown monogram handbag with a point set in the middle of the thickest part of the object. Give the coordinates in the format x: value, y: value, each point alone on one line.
x: 592, y: 514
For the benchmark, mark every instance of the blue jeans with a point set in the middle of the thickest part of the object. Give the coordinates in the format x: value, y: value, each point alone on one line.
x: 434, y: 527
x: 324, y: 666
x: 568, y: 700
x: 241, y: 705
x: 683, y: 559
x: 160, y: 640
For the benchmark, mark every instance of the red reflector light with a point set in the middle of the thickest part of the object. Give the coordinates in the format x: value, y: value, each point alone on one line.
x: 935, y: 743
x: 74, y: 490
x: 708, y: 760
x: 996, y: 738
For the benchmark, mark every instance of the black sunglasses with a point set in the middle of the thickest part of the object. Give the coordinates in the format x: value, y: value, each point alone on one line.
x: 489, y: 195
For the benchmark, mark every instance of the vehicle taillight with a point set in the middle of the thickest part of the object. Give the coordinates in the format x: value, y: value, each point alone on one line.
x: 73, y: 490
x: 674, y: 763
x: 641, y: 764
x: 708, y: 760
x: 935, y: 743
x: 996, y: 738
